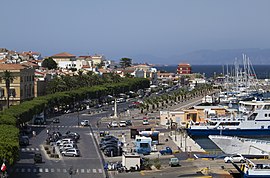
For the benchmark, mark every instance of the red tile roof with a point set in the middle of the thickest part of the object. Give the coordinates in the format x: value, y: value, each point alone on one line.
x: 11, y: 66
x: 64, y: 54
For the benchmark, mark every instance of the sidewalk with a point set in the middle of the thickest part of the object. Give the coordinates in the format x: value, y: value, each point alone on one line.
x: 185, y: 143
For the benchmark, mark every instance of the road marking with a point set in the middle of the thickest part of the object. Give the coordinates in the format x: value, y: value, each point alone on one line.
x: 94, y: 171
x: 100, y: 170
x: 46, y: 170
x: 64, y: 170
x: 52, y: 169
x: 58, y: 170
x: 37, y: 149
x: 28, y: 149
x: 28, y: 170
x: 32, y: 149
x: 40, y: 170
x: 23, y: 170
x: 88, y: 170
x: 142, y: 173
x: 17, y: 170
x: 82, y: 170
x: 34, y: 170
x: 23, y: 149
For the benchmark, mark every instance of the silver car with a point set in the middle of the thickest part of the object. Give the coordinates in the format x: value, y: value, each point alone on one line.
x: 71, y: 152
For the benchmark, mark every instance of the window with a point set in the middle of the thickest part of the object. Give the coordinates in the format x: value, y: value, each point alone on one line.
x: 2, y: 92
x: 265, y: 115
x: 12, y: 92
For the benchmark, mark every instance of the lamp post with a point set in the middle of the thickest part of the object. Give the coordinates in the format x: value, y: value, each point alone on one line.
x: 78, y: 116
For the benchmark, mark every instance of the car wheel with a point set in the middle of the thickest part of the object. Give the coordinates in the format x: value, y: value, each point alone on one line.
x: 229, y: 161
x: 74, y: 155
x: 63, y: 154
x: 242, y: 161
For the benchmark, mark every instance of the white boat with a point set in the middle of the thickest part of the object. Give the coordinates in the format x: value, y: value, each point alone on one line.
x: 255, y: 121
x: 252, y: 170
x: 245, y: 146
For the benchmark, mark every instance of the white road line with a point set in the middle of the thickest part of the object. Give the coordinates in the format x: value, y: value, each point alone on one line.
x: 100, y: 170
x: 32, y: 149
x: 58, y: 170
x: 28, y: 149
x: 34, y: 170
x: 23, y: 149
x: 46, y: 170
x: 52, y: 169
x: 88, y: 170
x: 94, y: 171
x: 82, y: 170
x: 22, y: 170
x: 64, y: 170
x: 37, y: 149
x: 40, y: 170
x: 28, y: 170
x: 17, y: 170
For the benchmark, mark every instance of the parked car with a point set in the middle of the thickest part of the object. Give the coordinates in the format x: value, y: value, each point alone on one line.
x: 103, y: 147
x: 145, y: 121
x: 174, y: 162
x: 37, y: 158
x: 73, y: 135
x: 122, y: 124
x: 235, y: 159
x: 113, y: 124
x: 71, y: 152
x: 64, y: 140
x: 166, y: 151
x: 85, y: 123
x: 107, y: 138
x: 67, y: 146
x: 113, y: 141
x: 113, y: 151
x: 56, y: 120
x: 128, y: 122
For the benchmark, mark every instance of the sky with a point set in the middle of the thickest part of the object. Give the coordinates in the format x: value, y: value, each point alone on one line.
x: 133, y: 28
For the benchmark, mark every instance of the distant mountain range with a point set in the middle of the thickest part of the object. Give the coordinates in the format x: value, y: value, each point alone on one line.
x: 212, y: 57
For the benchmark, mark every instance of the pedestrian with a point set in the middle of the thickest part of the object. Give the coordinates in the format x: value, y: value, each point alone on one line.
x: 34, y: 133
x: 47, y: 131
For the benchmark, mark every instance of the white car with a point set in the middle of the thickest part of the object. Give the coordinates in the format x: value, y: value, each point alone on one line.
x: 71, y: 152
x: 235, y: 159
x: 85, y: 123
x: 67, y: 146
x: 63, y: 140
x: 122, y: 124
x: 114, y: 124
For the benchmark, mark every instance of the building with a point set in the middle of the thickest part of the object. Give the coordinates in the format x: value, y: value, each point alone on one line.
x: 21, y: 87
x: 65, y: 60
x: 183, y: 69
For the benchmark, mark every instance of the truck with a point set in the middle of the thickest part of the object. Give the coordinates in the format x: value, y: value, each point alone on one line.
x: 166, y: 151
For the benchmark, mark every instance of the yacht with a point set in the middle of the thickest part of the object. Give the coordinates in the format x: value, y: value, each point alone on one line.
x: 244, y: 146
x: 253, y: 119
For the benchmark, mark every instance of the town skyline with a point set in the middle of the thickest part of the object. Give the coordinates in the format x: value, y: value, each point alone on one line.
x: 154, y: 31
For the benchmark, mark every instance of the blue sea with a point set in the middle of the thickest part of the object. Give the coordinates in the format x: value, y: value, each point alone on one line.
x: 262, y: 71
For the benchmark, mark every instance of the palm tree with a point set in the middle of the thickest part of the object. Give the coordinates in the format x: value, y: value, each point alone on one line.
x: 8, y: 79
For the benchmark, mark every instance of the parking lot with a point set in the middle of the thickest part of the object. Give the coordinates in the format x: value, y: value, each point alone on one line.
x: 87, y: 163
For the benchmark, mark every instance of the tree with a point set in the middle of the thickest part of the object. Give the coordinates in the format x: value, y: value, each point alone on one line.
x: 125, y: 62
x: 8, y: 78
x: 49, y: 63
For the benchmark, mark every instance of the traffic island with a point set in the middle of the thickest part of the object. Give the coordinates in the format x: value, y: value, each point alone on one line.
x: 50, y: 151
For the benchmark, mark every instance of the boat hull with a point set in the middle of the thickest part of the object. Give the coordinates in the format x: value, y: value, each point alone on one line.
x: 229, y: 132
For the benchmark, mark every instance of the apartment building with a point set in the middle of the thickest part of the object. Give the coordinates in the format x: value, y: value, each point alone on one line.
x: 21, y: 87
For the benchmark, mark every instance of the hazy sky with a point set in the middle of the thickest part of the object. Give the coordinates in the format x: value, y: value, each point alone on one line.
x: 130, y: 28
